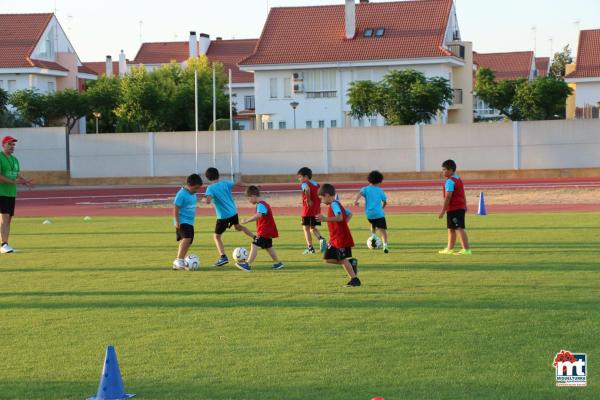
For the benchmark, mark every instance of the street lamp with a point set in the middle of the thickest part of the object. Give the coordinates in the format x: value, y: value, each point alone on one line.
x: 294, y: 105
x: 96, y: 115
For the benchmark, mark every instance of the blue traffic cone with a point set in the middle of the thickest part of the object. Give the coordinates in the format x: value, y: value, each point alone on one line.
x: 481, y: 210
x: 111, y: 385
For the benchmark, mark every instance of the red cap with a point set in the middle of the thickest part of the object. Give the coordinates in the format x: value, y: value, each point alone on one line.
x: 8, y: 139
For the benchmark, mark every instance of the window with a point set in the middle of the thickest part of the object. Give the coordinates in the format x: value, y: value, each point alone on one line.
x: 282, y: 125
x: 368, y: 32
x: 51, y: 87
x: 320, y: 83
x: 287, y: 88
x: 1, y: 84
x: 308, y: 124
x: 334, y: 123
x: 321, y: 124
x: 273, y: 88
x: 12, y: 86
x: 379, y: 32
x: 270, y: 125
x: 249, y: 103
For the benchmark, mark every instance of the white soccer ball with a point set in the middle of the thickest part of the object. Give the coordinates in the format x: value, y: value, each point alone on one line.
x: 240, y: 254
x: 193, y: 262
x: 374, y: 243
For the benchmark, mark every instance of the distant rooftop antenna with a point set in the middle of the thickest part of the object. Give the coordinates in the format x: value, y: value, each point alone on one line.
x: 141, y: 22
x: 534, y: 30
x: 69, y: 23
x: 551, y: 40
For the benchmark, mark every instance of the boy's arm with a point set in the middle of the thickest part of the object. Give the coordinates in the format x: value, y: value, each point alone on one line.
x: 337, y: 218
x: 357, y: 198
x: 384, y: 200
x: 206, y: 199
x: 306, y: 191
x: 256, y: 217
x: 176, y: 215
x: 348, y: 215
x: 446, y: 204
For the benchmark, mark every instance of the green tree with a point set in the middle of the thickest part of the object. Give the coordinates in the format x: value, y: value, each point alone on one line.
x: 104, y: 96
x: 31, y: 106
x: 69, y: 106
x: 559, y: 62
x: 224, y: 125
x: 499, y: 95
x: 543, y: 99
x: 402, y: 97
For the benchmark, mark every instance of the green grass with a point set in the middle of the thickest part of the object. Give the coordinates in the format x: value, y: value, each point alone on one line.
x: 422, y: 326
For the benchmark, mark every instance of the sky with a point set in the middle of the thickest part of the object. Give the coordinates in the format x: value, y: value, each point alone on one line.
x: 98, y: 28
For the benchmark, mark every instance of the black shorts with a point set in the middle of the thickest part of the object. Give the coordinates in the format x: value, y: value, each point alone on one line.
x: 7, y: 205
x: 224, y: 224
x: 263, y: 242
x: 333, y: 253
x: 456, y: 219
x: 185, y: 231
x: 310, y: 221
x: 378, y: 223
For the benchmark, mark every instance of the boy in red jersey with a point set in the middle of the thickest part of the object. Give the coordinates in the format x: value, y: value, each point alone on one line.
x: 311, y: 207
x: 341, y: 242
x: 455, y: 205
x: 266, y: 230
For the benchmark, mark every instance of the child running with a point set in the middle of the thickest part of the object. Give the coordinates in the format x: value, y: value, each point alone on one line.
x: 219, y: 194
x: 311, y: 207
x: 184, y: 214
x: 375, y: 203
x: 455, y: 205
x: 341, y: 242
x: 266, y: 230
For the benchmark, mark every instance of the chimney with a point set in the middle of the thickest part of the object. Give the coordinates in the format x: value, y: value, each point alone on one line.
x: 204, y: 43
x: 364, y: 2
x: 109, y: 67
x: 193, y: 45
x: 122, y: 64
x: 350, y: 19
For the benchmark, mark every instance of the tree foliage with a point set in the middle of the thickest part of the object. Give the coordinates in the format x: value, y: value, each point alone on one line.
x: 68, y: 106
x: 104, y: 95
x: 402, y: 97
x: 31, y: 106
x: 559, y: 62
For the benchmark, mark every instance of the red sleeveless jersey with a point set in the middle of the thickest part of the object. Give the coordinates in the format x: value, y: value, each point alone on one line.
x: 315, y: 209
x: 339, y: 232
x: 265, y: 225
x: 459, y: 200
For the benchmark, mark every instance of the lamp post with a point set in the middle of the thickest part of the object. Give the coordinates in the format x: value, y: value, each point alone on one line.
x: 96, y: 115
x: 294, y: 105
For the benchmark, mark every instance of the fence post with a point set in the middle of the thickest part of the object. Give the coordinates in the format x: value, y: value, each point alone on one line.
x: 516, y: 145
x: 326, y: 150
x: 151, y: 148
x: 236, y: 154
x: 68, y: 150
x: 419, y: 147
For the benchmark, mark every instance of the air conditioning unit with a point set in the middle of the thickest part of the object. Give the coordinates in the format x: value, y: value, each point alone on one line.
x: 298, y: 76
x: 298, y: 88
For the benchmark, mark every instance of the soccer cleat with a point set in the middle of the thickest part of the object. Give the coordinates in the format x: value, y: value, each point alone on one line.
x: 464, y: 252
x: 322, y: 245
x: 309, y: 250
x: 5, y: 249
x: 354, y: 264
x: 354, y: 282
x: 221, y: 261
x: 386, y: 249
x: 179, y: 264
x: 446, y: 251
x: 244, y: 266
x: 278, y: 265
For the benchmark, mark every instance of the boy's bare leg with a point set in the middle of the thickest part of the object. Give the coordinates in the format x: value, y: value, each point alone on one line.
x: 273, y: 254
x: 346, y: 264
x: 307, y: 235
x: 451, y: 238
x: 219, y: 244
x: 252, y: 255
x: 184, y: 245
x: 464, y: 239
x: 316, y: 232
x: 383, y: 233
x: 242, y: 228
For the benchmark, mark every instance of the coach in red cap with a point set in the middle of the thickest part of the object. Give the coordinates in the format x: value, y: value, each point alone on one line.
x: 9, y: 177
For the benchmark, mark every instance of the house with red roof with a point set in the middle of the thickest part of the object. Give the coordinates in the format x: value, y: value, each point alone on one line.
x: 35, y: 53
x: 584, y: 77
x: 307, y: 57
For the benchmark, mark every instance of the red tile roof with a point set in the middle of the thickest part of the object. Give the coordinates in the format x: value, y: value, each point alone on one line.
x: 86, y: 70
x: 227, y: 52
x: 99, y: 67
x: 413, y: 29
x: 19, y: 34
x: 588, y: 55
x: 512, y: 65
x: 542, y: 64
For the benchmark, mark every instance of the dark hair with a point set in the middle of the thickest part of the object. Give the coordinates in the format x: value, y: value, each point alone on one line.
x: 305, y: 171
x: 449, y: 165
x: 375, y: 177
x: 194, y: 180
x: 212, y: 174
x: 327, y: 189
x: 252, y: 191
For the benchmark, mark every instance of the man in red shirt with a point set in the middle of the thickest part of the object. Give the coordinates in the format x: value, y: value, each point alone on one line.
x: 311, y: 207
x: 340, y: 238
x: 266, y: 230
x: 455, y: 206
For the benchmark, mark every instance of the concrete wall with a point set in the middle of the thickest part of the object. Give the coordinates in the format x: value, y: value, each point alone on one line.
x: 39, y: 149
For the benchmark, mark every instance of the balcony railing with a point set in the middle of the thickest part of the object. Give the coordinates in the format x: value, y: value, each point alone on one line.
x: 457, y: 50
x: 457, y: 97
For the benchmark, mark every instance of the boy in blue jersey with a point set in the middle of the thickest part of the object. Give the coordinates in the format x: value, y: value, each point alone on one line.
x: 219, y: 194
x: 375, y: 202
x: 184, y: 214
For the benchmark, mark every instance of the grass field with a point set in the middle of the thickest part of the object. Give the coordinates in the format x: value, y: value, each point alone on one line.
x: 422, y: 326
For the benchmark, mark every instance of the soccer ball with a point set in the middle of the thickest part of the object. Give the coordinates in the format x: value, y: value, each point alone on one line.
x: 374, y: 243
x: 240, y: 254
x: 193, y: 262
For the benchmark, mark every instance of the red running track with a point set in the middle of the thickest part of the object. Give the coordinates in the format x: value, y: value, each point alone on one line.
x: 136, y: 201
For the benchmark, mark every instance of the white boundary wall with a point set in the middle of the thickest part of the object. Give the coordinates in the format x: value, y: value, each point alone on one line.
x: 475, y: 147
